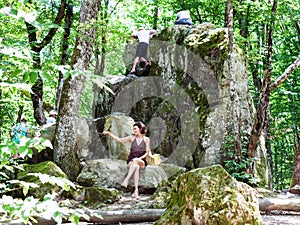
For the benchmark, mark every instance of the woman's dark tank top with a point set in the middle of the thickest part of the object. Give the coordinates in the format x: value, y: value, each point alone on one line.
x: 137, y: 150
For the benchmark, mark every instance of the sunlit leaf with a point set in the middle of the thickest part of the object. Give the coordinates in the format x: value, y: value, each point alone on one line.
x: 14, y: 11
x: 26, y: 76
x: 33, y: 77
x: 45, y: 75
x: 16, y: 72
x: 57, y: 217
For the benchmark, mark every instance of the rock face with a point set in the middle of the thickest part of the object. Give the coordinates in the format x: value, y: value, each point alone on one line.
x: 54, y: 180
x: 121, y: 126
x: 185, y: 100
x: 108, y: 173
x: 210, y: 196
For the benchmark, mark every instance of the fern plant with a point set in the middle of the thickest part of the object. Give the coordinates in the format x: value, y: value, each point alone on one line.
x: 235, y: 165
x: 28, y: 209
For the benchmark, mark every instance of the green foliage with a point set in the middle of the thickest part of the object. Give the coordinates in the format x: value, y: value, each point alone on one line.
x: 236, y: 165
x: 252, y: 20
x: 8, y: 165
x: 29, y: 208
x: 64, y: 183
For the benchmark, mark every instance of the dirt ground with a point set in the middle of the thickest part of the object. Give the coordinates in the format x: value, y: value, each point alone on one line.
x: 281, y: 218
x: 268, y: 219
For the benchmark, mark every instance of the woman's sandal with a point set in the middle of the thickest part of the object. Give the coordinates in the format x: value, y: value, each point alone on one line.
x: 135, y: 194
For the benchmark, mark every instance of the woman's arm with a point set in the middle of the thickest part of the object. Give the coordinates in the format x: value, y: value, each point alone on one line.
x: 116, y: 138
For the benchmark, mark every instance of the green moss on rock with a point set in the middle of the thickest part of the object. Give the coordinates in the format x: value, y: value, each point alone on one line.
x: 211, y: 196
x: 96, y: 197
x: 49, y: 168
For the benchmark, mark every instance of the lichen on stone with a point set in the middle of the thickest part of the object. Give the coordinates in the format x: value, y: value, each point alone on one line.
x: 211, y: 196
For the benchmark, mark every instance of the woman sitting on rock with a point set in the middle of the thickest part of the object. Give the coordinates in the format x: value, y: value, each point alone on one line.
x: 139, y: 150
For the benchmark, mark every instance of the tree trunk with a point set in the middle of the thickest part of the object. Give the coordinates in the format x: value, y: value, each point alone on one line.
x: 155, y: 16
x: 65, y: 55
x: 296, y: 170
x: 268, y: 204
x: 243, y: 21
x: 1, y: 116
x: 264, y: 98
x: 114, y: 217
x: 103, y: 53
x: 65, y: 147
x: 37, y: 93
x: 37, y: 88
x: 233, y: 95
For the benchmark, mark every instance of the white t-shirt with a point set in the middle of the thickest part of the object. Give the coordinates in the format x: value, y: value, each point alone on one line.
x: 183, y: 15
x: 51, y: 120
x: 143, y: 35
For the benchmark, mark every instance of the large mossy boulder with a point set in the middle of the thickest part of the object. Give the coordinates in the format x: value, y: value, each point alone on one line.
x: 210, y: 196
x: 106, y: 173
x: 186, y: 96
x: 50, y: 179
x: 33, y: 173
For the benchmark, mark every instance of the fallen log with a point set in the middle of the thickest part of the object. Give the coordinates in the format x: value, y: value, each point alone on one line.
x: 151, y: 215
x: 136, y: 215
x: 288, y: 204
x: 108, y: 217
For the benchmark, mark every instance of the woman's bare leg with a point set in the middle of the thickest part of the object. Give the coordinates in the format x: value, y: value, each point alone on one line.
x: 131, y: 169
x: 136, y: 182
x: 145, y: 61
x: 135, y: 62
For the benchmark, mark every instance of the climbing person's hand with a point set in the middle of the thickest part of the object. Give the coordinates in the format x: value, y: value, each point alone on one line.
x: 105, y: 133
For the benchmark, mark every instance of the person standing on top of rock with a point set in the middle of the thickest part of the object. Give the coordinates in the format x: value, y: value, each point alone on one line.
x: 183, y: 18
x: 143, y: 36
x: 139, y: 150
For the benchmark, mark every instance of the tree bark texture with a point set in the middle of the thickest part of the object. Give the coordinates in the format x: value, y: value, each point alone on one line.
x: 263, y: 104
x: 269, y: 204
x: 286, y: 73
x: 115, y: 217
x: 65, y: 47
x: 65, y: 147
x: 264, y: 99
x: 296, y: 169
x: 236, y: 122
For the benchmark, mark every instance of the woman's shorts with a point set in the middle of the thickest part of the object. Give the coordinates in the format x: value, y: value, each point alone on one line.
x: 141, y: 50
x: 184, y: 21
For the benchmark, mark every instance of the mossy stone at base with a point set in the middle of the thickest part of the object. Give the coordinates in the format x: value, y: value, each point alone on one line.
x: 210, y: 196
x: 96, y: 197
x: 49, y: 168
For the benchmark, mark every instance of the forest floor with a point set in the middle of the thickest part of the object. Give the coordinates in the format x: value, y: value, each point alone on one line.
x: 144, y: 201
x: 269, y: 218
x: 281, y: 218
x: 284, y: 218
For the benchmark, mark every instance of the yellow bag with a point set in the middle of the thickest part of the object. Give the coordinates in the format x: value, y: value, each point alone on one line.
x: 153, y: 160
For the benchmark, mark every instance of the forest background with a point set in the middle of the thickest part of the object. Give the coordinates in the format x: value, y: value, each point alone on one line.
x: 38, y: 38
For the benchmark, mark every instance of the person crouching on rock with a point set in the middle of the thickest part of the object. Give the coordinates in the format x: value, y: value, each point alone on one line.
x: 143, y: 36
x: 139, y: 150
